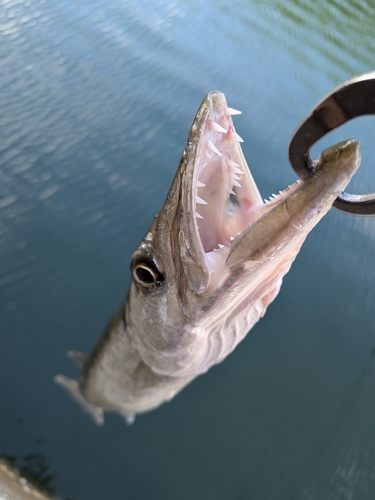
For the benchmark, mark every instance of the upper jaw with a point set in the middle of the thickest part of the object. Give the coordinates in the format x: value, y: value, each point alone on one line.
x: 224, y: 192
x: 219, y: 196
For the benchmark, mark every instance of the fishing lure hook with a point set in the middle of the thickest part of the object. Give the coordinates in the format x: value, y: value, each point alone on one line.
x: 355, y: 97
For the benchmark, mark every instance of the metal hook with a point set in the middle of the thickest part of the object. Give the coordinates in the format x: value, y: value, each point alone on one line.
x: 354, y: 98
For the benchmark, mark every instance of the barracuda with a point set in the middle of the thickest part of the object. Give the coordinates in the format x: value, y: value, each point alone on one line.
x: 210, y: 264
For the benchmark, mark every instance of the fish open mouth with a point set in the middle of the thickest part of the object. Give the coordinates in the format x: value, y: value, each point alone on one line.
x: 225, y: 193
x: 225, y: 196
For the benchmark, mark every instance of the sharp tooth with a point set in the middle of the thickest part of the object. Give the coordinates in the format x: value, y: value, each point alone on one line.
x: 231, y: 238
x: 221, y: 246
x: 236, y: 170
x: 231, y: 191
x: 231, y: 111
x: 234, y: 176
x: 199, y: 200
x: 217, y: 128
x: 231, y: 163
x: 212, y: 146
x: 235, y: 183
x: 200, y: 184
x: 198, y: 216
x: 238, y: 137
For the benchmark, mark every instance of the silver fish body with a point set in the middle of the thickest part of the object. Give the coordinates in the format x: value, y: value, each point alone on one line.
x: 210, y: 264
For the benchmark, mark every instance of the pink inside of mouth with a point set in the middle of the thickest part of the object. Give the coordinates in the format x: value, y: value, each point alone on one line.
x: 226, y: 196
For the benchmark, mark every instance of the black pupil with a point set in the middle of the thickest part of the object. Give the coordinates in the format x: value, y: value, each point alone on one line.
x: 144, y: 275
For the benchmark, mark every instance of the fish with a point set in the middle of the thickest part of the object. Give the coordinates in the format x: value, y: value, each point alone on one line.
x: 206, y: 271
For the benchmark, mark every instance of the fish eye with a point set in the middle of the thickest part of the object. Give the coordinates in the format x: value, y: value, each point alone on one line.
x: 147, y: 275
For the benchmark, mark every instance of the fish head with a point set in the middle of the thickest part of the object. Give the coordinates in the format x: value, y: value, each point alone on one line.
x: 214, y: 257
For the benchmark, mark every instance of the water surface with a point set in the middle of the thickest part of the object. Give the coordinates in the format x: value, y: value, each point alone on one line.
x: 96, y: 100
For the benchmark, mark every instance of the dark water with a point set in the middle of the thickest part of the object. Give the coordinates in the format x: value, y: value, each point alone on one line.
x: 96, y: 100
